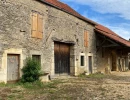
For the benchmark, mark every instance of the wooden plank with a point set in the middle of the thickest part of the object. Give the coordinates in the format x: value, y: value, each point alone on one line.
x: 86, y: 39
x: 12, y: 67
x: 34, y: 24
x: 57, y: 58
x: 40, y: 26
x: 62, y: 58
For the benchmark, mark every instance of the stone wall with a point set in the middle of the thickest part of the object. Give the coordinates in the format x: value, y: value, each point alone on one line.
x: 15, y: 33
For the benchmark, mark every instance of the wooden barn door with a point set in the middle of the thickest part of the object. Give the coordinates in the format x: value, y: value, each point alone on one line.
x: 62, y: 58
x: 12, y: 67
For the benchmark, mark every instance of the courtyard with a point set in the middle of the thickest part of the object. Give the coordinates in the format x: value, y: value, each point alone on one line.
x: 93, y: 87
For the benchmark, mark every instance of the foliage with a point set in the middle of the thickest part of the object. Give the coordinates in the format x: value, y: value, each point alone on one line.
x: 39, y: 85
x: 82, y: 75
x: 96, y: 75
x: 31, y: 71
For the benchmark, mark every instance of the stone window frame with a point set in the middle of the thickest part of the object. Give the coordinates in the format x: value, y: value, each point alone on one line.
x: 34, y: 52
x: 4, y: 61
x: 82, y: 54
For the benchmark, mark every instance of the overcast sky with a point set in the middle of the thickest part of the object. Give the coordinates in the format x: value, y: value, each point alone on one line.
x: 114, y: 14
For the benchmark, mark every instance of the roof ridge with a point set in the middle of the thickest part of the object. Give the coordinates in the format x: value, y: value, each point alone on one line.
x: 112, y: 34
x: 66, y: 8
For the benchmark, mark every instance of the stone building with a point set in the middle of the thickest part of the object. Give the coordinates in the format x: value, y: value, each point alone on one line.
x: 64, y: 42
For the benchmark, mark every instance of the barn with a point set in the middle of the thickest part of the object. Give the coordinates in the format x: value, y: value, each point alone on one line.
x: 64, y: 42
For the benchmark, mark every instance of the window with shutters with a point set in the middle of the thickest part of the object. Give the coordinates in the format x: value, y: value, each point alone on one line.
x: 85, y: 38
x: 37, y: 25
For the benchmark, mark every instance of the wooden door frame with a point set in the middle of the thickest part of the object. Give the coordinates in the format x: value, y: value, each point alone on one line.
x: 4, y: 61
x: 68, y: 73
x: 18, y: 67
x: 90, y: 54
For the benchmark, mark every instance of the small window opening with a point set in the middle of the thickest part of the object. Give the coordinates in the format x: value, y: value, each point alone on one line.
x: 82, y: 61
x: 37, y: 58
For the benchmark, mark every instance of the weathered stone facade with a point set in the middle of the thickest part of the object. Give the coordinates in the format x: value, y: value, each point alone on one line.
x: 15, y: 36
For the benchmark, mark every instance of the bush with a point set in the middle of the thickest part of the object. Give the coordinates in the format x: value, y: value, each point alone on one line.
x: 31, y: 71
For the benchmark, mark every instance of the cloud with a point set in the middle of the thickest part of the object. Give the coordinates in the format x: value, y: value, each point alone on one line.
x: 120, y: 7
x: 122, y: 29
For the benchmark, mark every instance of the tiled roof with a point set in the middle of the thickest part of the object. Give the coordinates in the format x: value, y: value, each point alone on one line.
x: 66, y: 8
x: 110, y: 34
x: 103, y: 30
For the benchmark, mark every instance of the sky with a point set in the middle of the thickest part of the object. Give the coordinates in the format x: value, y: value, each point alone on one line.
x: 114, y: 14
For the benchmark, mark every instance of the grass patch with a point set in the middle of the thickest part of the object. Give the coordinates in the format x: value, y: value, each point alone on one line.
x: 39, y: 85
x: 2, y: 84
x: 33, y: 85
x: 96, y: 75
x: 11, y: 96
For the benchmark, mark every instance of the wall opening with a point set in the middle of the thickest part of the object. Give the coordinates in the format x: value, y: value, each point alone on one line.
x: 90, y: 64
x: 62, y: 58
x: 37, y: 58
x: 113, y: 61
x: 82, y: 60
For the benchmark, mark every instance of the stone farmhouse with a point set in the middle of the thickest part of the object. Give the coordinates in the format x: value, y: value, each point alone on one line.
x: 62, y: 40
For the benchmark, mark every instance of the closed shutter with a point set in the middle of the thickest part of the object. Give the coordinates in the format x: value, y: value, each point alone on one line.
x: 86, y: 39
x: 34, y: 24
x: 40, y: 26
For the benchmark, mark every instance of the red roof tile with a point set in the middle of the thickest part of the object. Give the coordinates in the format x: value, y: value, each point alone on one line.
x: 107, y: 32
x: 68, y: 9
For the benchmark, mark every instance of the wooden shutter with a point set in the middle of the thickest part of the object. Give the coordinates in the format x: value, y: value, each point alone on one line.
x: 86, y: 39
x: 34, y: 24
x: 40, y: 26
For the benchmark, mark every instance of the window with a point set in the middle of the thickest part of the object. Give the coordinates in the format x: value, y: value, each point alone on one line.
x: 85, y: 38
x: 37, y: 25
x: 37, y: 58
x: 82, y: 61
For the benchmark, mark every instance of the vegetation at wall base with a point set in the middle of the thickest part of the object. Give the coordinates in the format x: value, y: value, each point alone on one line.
x: 31, y: 70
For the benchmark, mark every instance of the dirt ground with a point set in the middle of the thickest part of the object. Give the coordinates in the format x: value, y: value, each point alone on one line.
x: 93, y: 87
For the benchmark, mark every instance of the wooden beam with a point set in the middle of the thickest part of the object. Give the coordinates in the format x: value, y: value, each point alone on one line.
x: 112, y: 45
x: 99, y: 47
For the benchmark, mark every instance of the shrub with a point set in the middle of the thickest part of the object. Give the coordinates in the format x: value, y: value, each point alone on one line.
x: 31, y: 70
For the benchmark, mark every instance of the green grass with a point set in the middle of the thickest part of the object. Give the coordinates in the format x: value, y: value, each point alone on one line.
x: 97, y: 75
x: 11, y: 96
x: 33, y: 85
x: 19, y: 90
